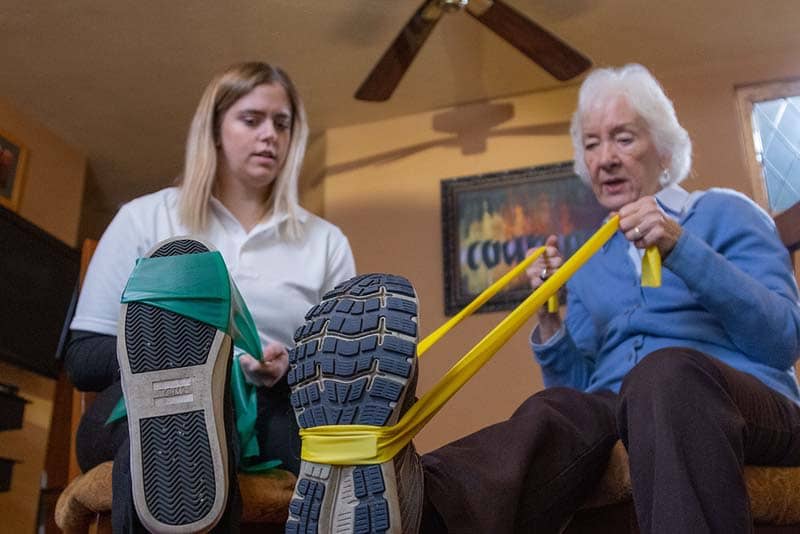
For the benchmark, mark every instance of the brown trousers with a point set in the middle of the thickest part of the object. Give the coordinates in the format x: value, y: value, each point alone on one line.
x: 689, y: 422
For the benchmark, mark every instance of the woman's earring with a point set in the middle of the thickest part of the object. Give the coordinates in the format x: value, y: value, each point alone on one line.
x: 664, y: 179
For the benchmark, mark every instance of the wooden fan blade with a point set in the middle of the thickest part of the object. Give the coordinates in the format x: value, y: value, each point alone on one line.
x: 547, y: 50
x: 384, y: 77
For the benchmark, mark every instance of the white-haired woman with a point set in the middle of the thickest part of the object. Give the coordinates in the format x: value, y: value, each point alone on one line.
x: 704, y: 365
x: 238, y: 194
x: 696, y: 377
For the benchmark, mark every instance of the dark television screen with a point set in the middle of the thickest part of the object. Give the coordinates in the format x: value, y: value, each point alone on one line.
x: 38, y: 279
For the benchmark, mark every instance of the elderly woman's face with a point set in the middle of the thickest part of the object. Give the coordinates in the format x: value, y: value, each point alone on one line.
x: 619, y: 152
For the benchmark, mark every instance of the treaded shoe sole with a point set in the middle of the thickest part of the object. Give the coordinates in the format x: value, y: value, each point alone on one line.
x: 352, y: 364
x: 174, y: 374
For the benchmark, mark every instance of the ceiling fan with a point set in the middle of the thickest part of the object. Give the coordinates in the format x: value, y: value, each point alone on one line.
x: 548, y: 51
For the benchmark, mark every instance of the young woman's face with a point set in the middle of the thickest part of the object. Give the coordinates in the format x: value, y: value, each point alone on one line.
x: 254, y: 137
x: 623, y: 162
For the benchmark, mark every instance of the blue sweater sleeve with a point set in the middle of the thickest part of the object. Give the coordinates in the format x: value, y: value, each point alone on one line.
x: 567, y: 359
x: 741, y: 273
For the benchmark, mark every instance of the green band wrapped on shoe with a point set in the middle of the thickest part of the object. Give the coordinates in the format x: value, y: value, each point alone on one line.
x: 198, y: 286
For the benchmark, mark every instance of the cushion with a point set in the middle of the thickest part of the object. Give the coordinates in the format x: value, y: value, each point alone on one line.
x: 265, y: 498
x: 86, y: 496
x: 774, y: 491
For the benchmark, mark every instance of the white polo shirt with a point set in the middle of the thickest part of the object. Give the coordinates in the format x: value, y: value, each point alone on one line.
x: 279, y: 279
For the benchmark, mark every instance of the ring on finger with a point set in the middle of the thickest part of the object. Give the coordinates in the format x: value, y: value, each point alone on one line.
x: 637, y: 232
x: 543, y: 274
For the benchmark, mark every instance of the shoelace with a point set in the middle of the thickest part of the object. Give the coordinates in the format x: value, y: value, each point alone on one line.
x: 366, y: 444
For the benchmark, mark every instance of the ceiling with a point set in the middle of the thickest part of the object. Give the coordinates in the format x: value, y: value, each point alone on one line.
x: 120, y: 79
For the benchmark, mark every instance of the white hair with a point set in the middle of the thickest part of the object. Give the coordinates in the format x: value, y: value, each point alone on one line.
x: 647, y: 98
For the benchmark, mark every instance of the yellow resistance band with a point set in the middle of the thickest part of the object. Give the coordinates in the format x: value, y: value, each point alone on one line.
x: 480, y: 300
x: 366, y: 444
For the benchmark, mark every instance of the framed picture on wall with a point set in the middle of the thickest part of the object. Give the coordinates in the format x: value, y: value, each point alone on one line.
x: 13, y: 157
x: 489, y: 221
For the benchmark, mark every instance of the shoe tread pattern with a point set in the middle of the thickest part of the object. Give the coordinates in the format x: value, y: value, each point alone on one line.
x: 151, y: 333
x: 353, y: 356
x: 177, y: 465
x: 353, y: 359
x: 179, y: 484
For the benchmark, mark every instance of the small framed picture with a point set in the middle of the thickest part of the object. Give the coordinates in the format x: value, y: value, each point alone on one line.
x: 13, y: 157
x: 489, y: 221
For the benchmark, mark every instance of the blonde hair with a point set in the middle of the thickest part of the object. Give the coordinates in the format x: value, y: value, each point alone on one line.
x: 646, y: 96
x: 200, y: 167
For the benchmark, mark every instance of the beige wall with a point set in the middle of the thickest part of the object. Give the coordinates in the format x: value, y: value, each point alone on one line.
x: 51, y: 199
x: 54, y: 176
x: 382, y: 188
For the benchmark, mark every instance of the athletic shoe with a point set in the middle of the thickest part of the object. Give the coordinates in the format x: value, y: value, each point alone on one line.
x: 355, y: 363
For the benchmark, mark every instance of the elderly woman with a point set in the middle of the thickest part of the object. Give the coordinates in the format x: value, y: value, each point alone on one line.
x: 696, y: 377
x: 704, y: 365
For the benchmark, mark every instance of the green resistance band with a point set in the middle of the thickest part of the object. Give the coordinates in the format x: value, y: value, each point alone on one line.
x: 198, y: 286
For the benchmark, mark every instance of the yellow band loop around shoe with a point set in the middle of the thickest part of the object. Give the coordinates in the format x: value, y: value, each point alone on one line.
x: 365, y: 444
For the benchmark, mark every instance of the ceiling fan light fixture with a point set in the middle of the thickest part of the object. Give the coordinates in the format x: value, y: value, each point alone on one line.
x: 449, y: 6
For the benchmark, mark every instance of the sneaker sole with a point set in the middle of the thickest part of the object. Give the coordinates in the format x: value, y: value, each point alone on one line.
x: 352, y: 363
x: 174, y: 372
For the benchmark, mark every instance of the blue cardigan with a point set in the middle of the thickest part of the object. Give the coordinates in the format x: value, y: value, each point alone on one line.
x: 728, y: 290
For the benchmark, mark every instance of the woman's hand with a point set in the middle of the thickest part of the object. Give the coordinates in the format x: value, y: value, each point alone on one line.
x: 268, y: 371
x: 644, y: 224
x: 540, y: 270
x: 545, y: 265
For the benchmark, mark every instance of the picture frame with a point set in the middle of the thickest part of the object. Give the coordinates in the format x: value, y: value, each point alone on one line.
x: 489, y: 221
x: 13, y: 159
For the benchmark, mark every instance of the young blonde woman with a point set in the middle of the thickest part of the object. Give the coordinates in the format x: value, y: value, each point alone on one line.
x: 237, y: 199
